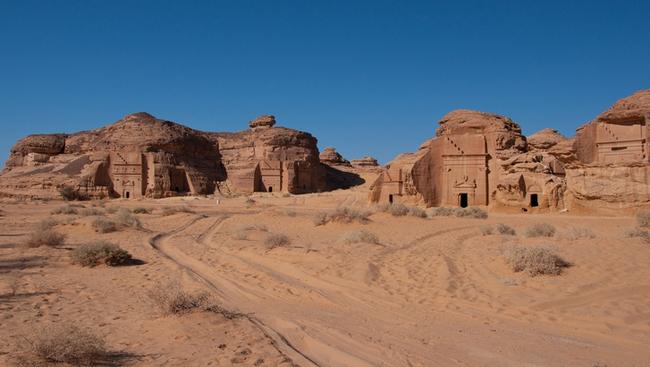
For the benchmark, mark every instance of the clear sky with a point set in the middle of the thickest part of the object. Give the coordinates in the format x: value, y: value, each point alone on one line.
x: 368, y: 77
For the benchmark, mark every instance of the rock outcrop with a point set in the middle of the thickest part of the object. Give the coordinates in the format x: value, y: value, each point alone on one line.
x: 365, y: 162
x: 476, y: 158
x: 545, y: 139
x: 607, y: 164
x: 142, y: 156
x: 331, y: 157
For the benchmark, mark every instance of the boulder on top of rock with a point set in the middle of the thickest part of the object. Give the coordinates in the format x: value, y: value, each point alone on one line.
x: 545, y: 139
x: 330, y: 156
x: 262, y: 122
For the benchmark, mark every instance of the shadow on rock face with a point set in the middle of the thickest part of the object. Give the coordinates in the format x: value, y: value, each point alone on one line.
x: 337, y: 179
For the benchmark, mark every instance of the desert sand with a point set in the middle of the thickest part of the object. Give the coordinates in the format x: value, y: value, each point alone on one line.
x: 432, y: 291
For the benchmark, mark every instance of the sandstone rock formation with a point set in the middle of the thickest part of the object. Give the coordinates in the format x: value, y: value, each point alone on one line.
x: 476, y: 158
x: 607, y: 164
x: 365, y: 162
x: 331, y: 157
x: 142, y: 156
x: 545, y: 139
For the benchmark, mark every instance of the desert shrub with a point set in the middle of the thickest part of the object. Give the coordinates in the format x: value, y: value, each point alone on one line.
x: 124, y: 218
x: 575, y: 233
x: 472, y: 212
x: 46, y: 224
x: 274, y: 240
x: 240, y: 235
x: 441, y: 212
x: 398, y: 210
x: 112, y: 209
x: 360, y: 236
x: 486, y: 230
x: 290, y: 213
x: 103, y: 225
x: 253, y: 227
x: 171, y: 210
x: 638, y: 233
x: 505, y: 229
x: 86, y: 212
x: 67, y: 343
x: 45, y: 237
x: 101, y: 252
x: 342, y: 215
x: 250, y: 201
x: 414, y: 211
x: 68, y: 193
x: 141, y: 210
x: 172, y: 299
x: 540, y: 230
x: 643, y: 218
x: 535, y: 260
x: 66, y: 209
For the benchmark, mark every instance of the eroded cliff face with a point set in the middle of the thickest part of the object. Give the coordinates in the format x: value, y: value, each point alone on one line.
x: 476, y: 158
x: 142, y: 156
x: 607, y: 163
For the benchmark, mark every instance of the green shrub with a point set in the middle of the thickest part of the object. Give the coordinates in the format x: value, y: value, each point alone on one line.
x: 101, y: 252
x: 540, y: 230
x: 535, y: 260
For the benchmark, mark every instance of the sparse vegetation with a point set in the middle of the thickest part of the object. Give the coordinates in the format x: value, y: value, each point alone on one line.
x: 250, y: 202
x: 486, y: 230
x: 643, y: 218
x: 540, y: 230
x: 253, y: 227
x: 66, y: 209
x: 290, y: 213
x: 172, y: 299
x: 240, y: 235
x: 359, y: 236
x: 45, y: 237
x: 575, y: 233
x: 67, y: 343
x: 274, y: 240
x: 414, y: 211
x: 141, y: 210
x: 46, y: 224
x: 87, y: 212
x: 103, y: 225
x: 472, y: 212
x: 535, y: 260
x: 506, y: 230
x: 124, y: 218
x: 68, y: 193
x: 638, y: 233
x: 399, y: 210
x: 171, y: 210
x: 342, y: 215
x: 101, y: 252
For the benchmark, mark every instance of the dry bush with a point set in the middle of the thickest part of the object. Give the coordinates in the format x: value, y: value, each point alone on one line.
x: 342, y: 215
x: 472, y: 212
x: 442, y: 212
x: 87, y: 212
x: 100, y: 252
x: 66, y: 209
x: 506, y: 230
x: 540, y: 230
x: 397, y: 210
x: 172, y: 299
x: 638, y: 233
x: 240, y: 235
x: 414, y: 211
x: 47, y: 223
x: 360, y: 236
x: 103, y: 225
x: 141, y: 210
x: 124, y: 218
x: 67, y: 343
x: 643, y: 218
x: 486, y: 230
x: 575, y: 233
x: 171, y: 210
x: 535, y: 260
x: 45, y: 237
x: 250, y: 202
x: 290, y: 213
x: 253, y: 227
x: 112, y: 209
x: 274, y: 240
x: 68, y: 193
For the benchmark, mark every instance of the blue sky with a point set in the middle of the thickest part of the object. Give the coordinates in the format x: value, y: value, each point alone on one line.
x: 368, y: 77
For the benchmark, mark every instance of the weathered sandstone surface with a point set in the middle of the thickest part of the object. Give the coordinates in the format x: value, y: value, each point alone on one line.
x: 142, y: 156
